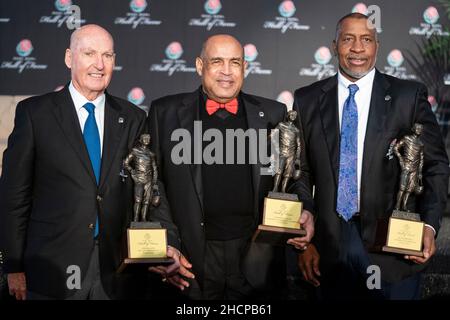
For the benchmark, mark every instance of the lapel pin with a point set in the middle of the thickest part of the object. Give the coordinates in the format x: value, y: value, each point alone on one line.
x: 387, y: 98
x: 121, y: 120
x: 261, y: 114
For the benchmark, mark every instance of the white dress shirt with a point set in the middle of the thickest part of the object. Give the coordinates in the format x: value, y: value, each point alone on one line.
x: 362, y: 99
x: 79, y: 101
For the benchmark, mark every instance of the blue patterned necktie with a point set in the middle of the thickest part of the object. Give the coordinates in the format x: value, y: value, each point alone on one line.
x: 92, y: 141
x: 347, y: 198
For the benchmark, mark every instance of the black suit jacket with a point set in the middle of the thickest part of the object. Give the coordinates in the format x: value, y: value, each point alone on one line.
x: 183, y: 183
x: 49, y: 198
x: 395, y: 106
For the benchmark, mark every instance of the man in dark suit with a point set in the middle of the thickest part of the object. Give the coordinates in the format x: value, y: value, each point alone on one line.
x: 63, y: 204
x: 217, y: 204
x: 349, y: 122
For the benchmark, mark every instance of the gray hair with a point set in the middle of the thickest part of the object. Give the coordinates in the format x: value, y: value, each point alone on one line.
x: 354, y: 15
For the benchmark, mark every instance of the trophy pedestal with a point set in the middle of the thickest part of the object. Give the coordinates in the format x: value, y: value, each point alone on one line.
x: 403, y: 251
x: 280, y: 220
x: 145, y: 246
x: 141, y: 264
x: 283, y: 196
x: 276, y: 235
x: 402, y: 234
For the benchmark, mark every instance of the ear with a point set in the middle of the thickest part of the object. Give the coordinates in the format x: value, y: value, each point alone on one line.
x: 245, y: 64
x: 68, y: 58
x: 334, y: 46
x: 199, y: 66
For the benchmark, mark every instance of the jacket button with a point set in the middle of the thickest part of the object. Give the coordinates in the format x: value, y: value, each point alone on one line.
x: 99, y: 198
x: 202, y: 224
x: 91, y: 226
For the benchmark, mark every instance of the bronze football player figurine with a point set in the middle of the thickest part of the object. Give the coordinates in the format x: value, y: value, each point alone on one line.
x: 411, y: 163
x: 289, y: 152
x: 141, y: 163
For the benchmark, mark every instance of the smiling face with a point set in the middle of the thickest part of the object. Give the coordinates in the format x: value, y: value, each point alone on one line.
x: 356, y: 48
x: 222, y: 67
x: 91, y: 60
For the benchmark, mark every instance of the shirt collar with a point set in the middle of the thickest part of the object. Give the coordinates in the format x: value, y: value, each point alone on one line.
x: 79, y: 100
x: 361, y: 83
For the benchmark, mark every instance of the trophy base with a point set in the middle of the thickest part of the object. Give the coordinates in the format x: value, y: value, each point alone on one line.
x: 276, y: 235
x: 282, y: 196
x: 402, y: 233
x: 141, y: 264
x: 406, y: 215
x: 145, y: 225
x: 402, y: 251
x: 144, y: 246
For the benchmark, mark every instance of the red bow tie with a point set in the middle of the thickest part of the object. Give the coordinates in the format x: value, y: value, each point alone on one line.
x: 212, y: 106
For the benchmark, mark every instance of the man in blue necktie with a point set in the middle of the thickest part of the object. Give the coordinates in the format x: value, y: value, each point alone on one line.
x: 348, y: 123
x: 63, y: 205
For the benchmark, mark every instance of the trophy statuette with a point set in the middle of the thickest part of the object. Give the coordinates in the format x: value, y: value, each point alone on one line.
x: 281, y: 216
x: 405, y: 229
x: 146, y: 242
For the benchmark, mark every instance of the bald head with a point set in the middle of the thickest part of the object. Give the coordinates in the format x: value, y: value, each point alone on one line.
x: 221, y: 65
x: 91, y: 31
x: 91, y: 60
x: 220, y: 39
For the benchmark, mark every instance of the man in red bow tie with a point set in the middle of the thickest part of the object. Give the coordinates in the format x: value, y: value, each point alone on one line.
x: 217, y: 206
x: 222, y: 70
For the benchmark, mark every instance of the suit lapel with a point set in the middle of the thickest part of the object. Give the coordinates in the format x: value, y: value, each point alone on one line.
x: 328, y: 105
x: 379, y: 106
x: 68, y: 121
x: 256, y: 122
x: 113, y: 130
x: 187, y: 114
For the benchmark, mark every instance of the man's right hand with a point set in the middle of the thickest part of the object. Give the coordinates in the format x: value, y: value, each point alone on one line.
x: 308, y: 263
x: 17, y: 285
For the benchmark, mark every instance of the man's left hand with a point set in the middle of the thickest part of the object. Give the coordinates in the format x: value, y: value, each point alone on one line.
x: 429, y: 247
x: 177, y: 272
x: 307, y: 222
x: 171, y: 269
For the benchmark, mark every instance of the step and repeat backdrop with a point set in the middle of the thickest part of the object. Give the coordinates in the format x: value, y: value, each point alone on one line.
x: 287, y: 43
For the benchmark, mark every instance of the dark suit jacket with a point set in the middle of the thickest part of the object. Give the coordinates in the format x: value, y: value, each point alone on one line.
x: 395, y: 106
x: 183, y: 183
x: 49, y: 198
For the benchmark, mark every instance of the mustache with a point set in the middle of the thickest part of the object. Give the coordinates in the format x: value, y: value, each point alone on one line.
x: 352, y: 56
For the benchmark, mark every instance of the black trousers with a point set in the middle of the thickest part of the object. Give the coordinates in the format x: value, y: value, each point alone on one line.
x: 91, y: 286
x: 223, y: 278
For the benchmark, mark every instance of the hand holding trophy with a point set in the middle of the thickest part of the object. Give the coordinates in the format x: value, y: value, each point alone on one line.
x: 146, y: 241
x: 281, y: 218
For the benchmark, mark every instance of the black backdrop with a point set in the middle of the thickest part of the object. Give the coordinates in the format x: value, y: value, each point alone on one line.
x: 287, y: 47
